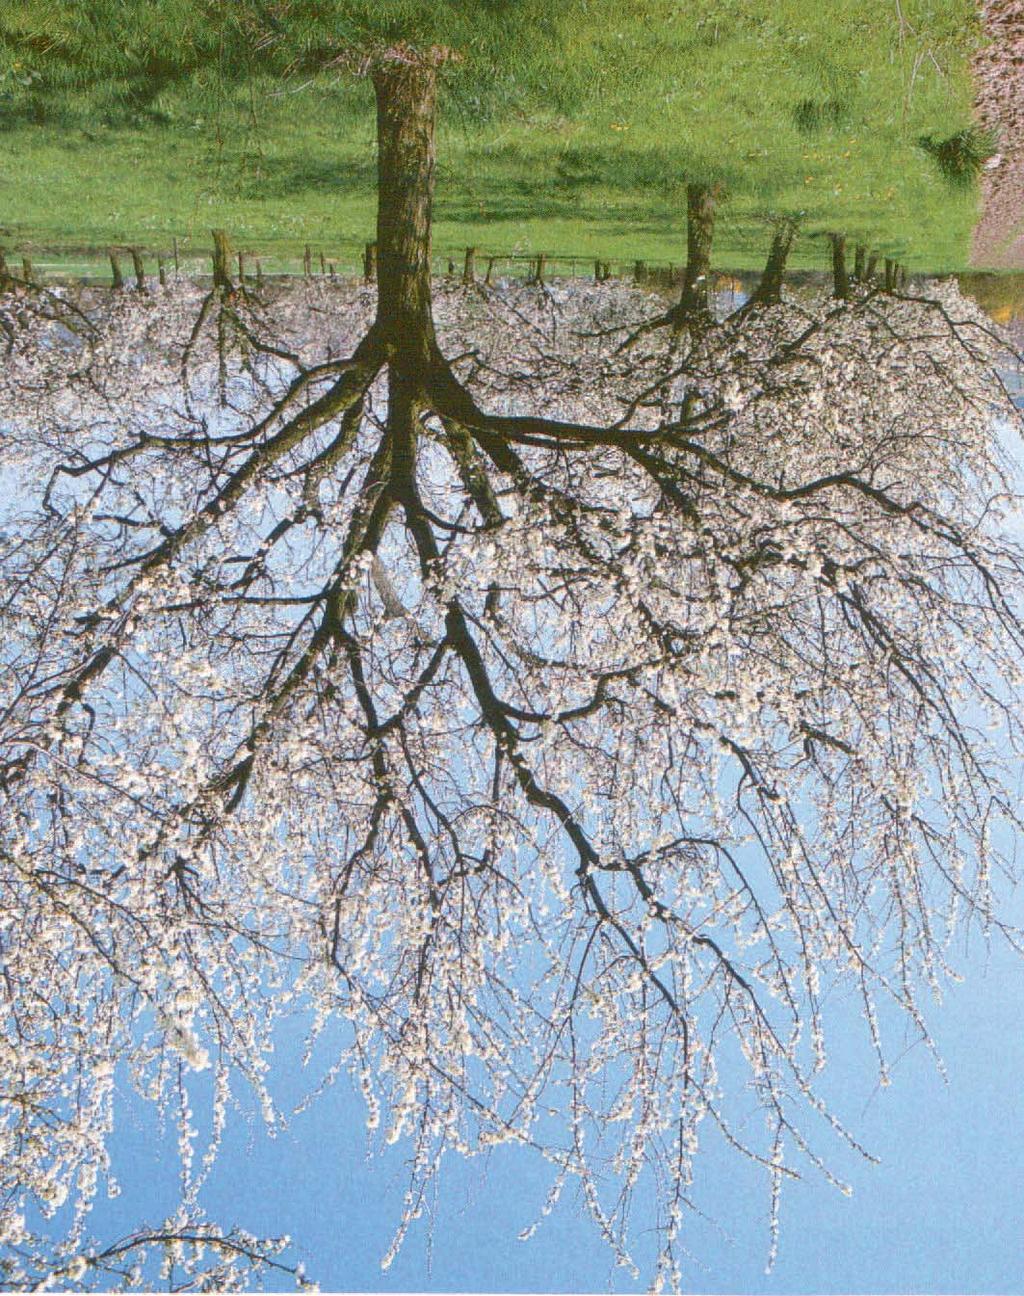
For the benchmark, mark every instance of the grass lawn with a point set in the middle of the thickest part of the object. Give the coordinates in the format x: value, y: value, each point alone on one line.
x: 810, y: 109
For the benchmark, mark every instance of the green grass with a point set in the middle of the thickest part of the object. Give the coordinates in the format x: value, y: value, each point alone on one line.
x: 796, y: 108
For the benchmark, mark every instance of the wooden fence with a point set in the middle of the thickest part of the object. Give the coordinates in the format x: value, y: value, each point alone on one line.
x: 126, y: 265
x: 470, y: 265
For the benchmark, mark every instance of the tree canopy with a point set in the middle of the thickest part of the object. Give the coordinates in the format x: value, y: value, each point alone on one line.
x: 545, y: 696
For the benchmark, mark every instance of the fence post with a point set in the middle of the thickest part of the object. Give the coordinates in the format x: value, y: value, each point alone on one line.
x: 161, y: 271
x: 542, y: 260
x: 139, y: 268
x: 5, y: 276
x: 307, y: 261
x: 639, y: 272
x: 370, y: 262
x: 176, y: 254
x: 890, y: 275
x: 872, y: 265
x: 490, y: 267
x: 117, y: 278
x: 469, y: 266
x: 860, y: 258
x: 241, y: 268
x: 259, y: 275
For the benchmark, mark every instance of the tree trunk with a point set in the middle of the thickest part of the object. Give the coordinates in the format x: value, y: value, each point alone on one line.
x: 139, y: 268
x: 406, y: 98
x: 769, y: 290
x: 221, y: 261
x: 840, y: 276
x: 469, y: 266
x: 695, y: 302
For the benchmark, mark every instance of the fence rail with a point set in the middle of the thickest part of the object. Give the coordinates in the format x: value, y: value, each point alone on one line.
x: 471, y: 264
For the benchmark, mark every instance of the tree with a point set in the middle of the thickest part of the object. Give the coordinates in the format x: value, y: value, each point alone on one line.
x: 544, y: 718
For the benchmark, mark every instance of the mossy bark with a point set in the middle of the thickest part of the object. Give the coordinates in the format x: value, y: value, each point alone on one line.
x: 769, y: 290
x: 840, y: 274
x: 222, y: 261
x: 694, y: 306
x: 406, y: 107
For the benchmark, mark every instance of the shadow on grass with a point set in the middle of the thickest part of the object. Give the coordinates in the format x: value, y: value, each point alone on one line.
x: 279, y: 178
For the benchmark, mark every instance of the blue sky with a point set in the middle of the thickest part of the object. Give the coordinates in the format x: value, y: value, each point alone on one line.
x: 942, y: 1212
